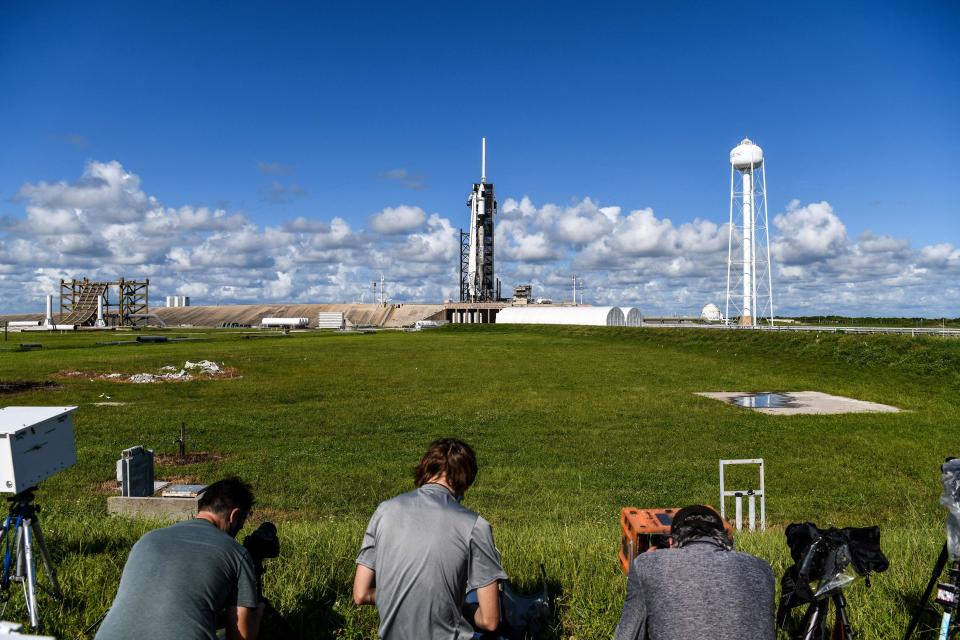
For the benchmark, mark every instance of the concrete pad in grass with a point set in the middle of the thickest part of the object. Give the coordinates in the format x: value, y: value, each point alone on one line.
x: 791, y: 403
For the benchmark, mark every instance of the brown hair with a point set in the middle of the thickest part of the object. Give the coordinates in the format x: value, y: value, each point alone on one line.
x: 451, y: 458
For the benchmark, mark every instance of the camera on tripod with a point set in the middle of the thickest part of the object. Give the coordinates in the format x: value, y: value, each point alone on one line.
x: 262, y: 544
x: 948, y: 591
x: 35, y: 443
x: 826, y: 561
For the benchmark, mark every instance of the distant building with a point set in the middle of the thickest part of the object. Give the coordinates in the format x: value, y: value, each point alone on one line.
x: 523, y: 294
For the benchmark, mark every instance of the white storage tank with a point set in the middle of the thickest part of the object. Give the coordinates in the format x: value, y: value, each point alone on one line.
x: 633, y: 317
x: 296, y: 323
x: 586, y: 316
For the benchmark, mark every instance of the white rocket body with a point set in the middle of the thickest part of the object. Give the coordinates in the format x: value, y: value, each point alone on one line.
x: 478, y: 209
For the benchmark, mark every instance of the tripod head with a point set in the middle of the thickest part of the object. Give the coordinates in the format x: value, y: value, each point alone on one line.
x: 24, y: 497
x: 22, y: 503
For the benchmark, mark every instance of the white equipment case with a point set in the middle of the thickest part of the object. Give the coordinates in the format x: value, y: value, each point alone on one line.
x: 35, y: 443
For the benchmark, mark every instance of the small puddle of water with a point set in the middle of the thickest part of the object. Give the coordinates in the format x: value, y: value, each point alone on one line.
x: 763, y: 401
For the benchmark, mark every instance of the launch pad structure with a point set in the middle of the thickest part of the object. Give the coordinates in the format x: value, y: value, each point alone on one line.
x: 477, y: 282
x: 89, y: 303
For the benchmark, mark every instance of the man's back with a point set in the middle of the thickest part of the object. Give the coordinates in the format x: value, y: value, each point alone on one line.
x: 427, y: 550
x: 696, y: 592
x: 176, y: 580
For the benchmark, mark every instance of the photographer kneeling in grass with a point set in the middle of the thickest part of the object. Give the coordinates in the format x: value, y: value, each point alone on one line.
x: 423, y: 551
x: 699, y: 590
x: 178, y: 580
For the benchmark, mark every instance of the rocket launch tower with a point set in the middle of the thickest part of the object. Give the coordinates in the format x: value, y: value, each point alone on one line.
x: 477, y: 282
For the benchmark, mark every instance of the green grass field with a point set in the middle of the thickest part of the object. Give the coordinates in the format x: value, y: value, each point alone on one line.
x: 570, y: 424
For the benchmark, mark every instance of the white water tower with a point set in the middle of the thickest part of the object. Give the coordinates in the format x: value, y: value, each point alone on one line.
x: 746, y: 269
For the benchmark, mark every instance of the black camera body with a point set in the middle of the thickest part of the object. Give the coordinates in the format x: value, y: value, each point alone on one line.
x: 262, y: 544
x: 825, y: 562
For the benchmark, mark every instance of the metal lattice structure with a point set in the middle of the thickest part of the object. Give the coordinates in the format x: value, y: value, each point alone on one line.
x: 87, y: 303
x: 480, y: 285
x: 748, y: 265
x: 464, y: 265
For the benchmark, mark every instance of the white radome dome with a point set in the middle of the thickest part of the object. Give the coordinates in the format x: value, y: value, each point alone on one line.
x: 711, y: 313
x: 746, y: 155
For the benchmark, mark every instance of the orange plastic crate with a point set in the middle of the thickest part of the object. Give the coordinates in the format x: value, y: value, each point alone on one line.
x: 637, y: 528
x: 641, y: 529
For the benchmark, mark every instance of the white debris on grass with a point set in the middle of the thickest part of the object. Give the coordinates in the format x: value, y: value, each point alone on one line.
x: 204, y: 366
x: 143, y: 378
x: 189, y: 371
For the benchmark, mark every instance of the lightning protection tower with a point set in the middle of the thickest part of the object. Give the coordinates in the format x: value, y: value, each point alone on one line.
x: 745, y: 268
x: 476, y: 253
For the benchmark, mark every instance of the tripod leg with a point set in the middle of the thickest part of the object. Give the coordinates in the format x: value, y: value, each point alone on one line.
x: 7, y: 550
x: 814, y: 621
x: 18, y: 571
x: 45, y: 557
x: 31, y: 574
x: 922, y: 605
x: 955, y: 581
x: 945, y: 626
x: 841, y: 628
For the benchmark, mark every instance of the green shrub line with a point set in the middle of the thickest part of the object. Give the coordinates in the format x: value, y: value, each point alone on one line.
x: 570, y: 424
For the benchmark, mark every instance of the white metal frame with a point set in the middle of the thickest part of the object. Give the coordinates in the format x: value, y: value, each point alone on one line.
x: 756, y: 195
x: 738, y: 495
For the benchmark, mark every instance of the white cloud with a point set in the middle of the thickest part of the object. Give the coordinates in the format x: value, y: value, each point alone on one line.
x: 105, y: 226
x: 404, y: 178
x: 438, y: 244
x: 870, y: 243
x: 942, y: 255
x: 808, y: 233
x: 395, y: 220
x: 105, y: 193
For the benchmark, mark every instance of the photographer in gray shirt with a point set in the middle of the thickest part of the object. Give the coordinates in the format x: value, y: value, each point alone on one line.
x: 700, y: 589
x: 179, y: 580
x: 423, y: 551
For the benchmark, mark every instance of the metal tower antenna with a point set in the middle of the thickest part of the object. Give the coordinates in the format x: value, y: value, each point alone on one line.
x: 483, y: 161
x: 746, y: 161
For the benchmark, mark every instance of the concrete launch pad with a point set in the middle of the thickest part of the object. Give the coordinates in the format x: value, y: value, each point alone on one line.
x: 791, y: 403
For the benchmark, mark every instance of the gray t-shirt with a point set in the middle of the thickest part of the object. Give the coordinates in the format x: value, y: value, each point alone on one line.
x: 427, y: 551
x: 175, y: 582
x: 698, y: 592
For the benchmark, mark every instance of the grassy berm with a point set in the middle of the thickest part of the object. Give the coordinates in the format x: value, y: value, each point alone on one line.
x: 570, y: 424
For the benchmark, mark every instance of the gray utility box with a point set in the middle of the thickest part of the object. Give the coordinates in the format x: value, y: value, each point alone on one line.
x: 135, y: 472
x: 35, y: 443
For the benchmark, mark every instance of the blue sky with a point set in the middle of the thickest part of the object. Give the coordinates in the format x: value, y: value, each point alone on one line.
x: 274, y: 112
